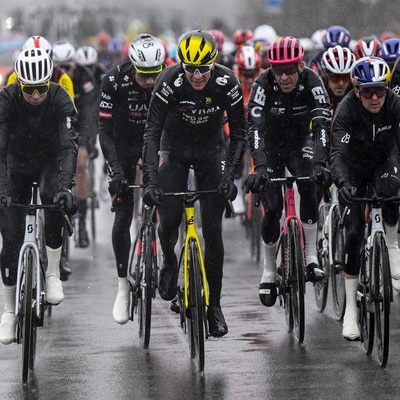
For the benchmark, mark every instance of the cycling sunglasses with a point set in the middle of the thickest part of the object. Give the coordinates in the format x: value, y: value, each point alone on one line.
x: 337, y: 78
x: 289, y: 69
x: 30, y: 90
x: 148, y: 72
x: 368, y: 91
x: 248, y: 74
x: 201, y: 69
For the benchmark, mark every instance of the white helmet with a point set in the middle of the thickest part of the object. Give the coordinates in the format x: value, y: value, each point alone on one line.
x: 338, y: 60
x: 266, y: 32
x: 86, y: 55
x: 146, y: 51
x: 316, y: 38
x: 33, y: 67
x: 38, y: 42
x: 63, y: 52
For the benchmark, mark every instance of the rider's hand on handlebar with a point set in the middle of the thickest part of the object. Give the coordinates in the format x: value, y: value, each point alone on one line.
x: 153, y: 195
x: 322, y: 176
x: 346, y: 194
x: 254, y: 182
x: 228, y: 189
x: 67, y: 198
x: 118, y: 185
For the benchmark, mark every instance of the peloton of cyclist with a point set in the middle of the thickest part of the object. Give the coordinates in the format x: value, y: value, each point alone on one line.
x: 38, y: 143
x: 185, y: 124
x: 283, y: 101
x: 365, y: 143
x: 125, y: 98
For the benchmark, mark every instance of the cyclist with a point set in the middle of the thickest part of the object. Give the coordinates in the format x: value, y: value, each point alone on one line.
x: 86, y: 101
x: 365, y: 143
x: 242, y: 37
x: 283, y: 101
x: 333, y: 36
x: 87, y: 56
x: 125, y: 98
x: 390, y: 51
x: 185, y: 124
x: 336, y: 65
x: 59, y: 75
x: 367, y: 46
x: 37, y: 143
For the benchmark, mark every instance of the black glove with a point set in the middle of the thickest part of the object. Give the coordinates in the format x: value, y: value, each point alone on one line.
x: 254, y: 182
x: 153, y: 196
x: 322, y: 176
x: 346, y: 194
x: 118, y: 185
x: 228, y: 189
x: 67, y: 198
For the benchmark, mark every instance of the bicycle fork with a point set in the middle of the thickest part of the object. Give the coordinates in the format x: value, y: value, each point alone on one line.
x: 191, y: 234
x: 30, y: 241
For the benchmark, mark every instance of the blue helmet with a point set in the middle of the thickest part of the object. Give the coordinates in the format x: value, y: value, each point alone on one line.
x: 370, y: 71
x: 336, y: 35
x: 390, y: 49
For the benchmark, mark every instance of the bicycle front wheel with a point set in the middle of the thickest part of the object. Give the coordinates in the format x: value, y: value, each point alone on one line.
x: 196, y: 306
x: 321, y: 288
x: 381, y: 297
x: 337, y: 272
x: 147, y: 286
x: 28, y: 318
x: 296, y: 279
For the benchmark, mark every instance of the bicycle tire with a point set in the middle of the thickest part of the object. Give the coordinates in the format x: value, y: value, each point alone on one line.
x: 336, y: 269
x: 197, y: 308
x: 93, y: 201
x: 296, y: 280
x: 321, y: 288
x: 28, y: 326
x: 381, y: 297
x: 138, y: 280
x: 147, y: 285
x: 284, y: 288
x: 367, y: 318
x: 255, y: 233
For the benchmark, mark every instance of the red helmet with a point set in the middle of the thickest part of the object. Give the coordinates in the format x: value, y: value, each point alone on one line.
x: 367, y: 46
x: 219, y: 37
x: 241, y: 36
x: 285, y: 50
x: 248, y: 59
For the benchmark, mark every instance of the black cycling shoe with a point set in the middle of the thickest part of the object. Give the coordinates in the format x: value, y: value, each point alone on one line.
x: 174, y: 305
x: 83, y: 237
x: 267, y: 293
x: 216, y: 322
x: 65, y: 269
x: 314, y: 273
x: 168, y: 284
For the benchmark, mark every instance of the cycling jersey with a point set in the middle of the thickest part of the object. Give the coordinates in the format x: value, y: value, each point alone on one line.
x: 59, y: 76
x: 86, y: 101
x: 395, y: 78
x: 30, y: 134
x: 181, y: 116
x: 124, y: 105
x: 282, y: 121
x: 314, y: 62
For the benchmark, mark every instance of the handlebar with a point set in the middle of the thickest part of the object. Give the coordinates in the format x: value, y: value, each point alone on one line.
x: 115, y: 199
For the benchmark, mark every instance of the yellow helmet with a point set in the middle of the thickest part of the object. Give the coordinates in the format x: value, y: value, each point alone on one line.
x: 198, y: 48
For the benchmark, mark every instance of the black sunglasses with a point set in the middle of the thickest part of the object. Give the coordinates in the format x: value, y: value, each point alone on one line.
x: 285, y: 69
x: 368, y: 91
x: 31, y: 89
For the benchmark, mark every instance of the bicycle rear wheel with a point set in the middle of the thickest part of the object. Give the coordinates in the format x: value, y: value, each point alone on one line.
x: 296, y: 279
x: 321, y: 288
x: 336, y: 271
x: 381, y: 297
x: 284, y: 287
x: 28, y: 318
x: 255, y: 233
x: 147, y: 285
x: 196, y: 307
x: 367, y: 318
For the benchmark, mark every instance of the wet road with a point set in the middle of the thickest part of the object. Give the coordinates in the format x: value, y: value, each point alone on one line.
x: 83, y: 354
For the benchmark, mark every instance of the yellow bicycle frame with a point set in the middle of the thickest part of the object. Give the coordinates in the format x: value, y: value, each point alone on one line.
x: 191, y: 233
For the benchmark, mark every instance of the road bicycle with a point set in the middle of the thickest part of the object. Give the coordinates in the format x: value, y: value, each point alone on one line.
x: 30, y: 301
x: 143, y: 269
x: 290, y: 258
x: 330, y: 248
x: 375, y: 292
x: 193, y: 296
